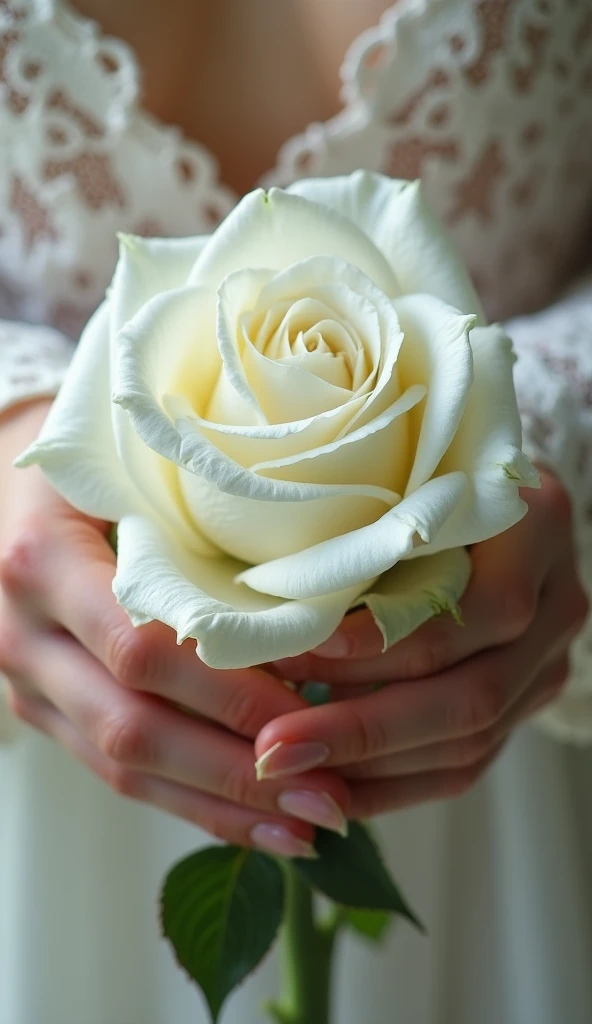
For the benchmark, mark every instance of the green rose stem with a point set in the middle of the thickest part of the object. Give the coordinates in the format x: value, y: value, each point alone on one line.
x: 306, y: 951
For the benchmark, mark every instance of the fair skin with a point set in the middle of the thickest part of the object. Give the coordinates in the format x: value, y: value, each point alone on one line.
x: 80, y: 672
x: 117, y: 697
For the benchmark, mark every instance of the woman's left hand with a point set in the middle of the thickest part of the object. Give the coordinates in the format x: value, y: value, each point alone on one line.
x: 453, y: 694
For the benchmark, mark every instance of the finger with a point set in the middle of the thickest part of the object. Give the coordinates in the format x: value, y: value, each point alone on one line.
x: 469, y: 698
x: 380, y: 796
x: 498, y: 606
x: 142, y: 733
x: 230, y: 822
x: 70, y: 576
x: 467, y: 751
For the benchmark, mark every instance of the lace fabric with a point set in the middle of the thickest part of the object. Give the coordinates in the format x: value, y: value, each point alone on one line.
x: 488, y: 101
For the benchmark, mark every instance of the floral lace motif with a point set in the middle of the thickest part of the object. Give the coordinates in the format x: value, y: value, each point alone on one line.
x: 488, y: 101
x: 33, y: 361
x: 554, y: 382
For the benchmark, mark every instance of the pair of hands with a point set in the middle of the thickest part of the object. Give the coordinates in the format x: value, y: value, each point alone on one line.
x: 117, y: 697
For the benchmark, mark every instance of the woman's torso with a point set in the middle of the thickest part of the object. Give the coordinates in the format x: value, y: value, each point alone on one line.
x: 489, y: 101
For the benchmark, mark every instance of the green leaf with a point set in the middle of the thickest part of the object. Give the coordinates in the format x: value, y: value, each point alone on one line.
x: 351, y: 872
x: 221, y: 909
x: 371, y: 924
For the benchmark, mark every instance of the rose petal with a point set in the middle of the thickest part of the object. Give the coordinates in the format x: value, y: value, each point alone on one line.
x: 436, y: 352
x: 147, y: 267
x: 397, y: 219
x: 487, y: 448
x: 250, y: 444
x: 412, y: 592
x: 365, y: 553
x: 275, y: 229
x: 376, y: 453
x: 233, y: 398
x: 169, y: 344
x: 76, y: 447
x: 235, y: 627
x: 249, y: 515
x: 259, y: 530
x: 313, y: 276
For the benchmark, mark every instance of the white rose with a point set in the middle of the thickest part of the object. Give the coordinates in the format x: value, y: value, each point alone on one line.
x: 282, y: 416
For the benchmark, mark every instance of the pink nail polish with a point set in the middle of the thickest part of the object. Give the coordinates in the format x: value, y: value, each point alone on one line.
x: 291, y: 759
x: 279, y: 840
x: 317, y: 808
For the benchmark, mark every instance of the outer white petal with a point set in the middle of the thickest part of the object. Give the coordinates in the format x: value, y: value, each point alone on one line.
x: 487, y: 448
x: 168, y: 345
x: 412, y: 592
x: 397, y: 219
x: 234, y: 627
x: 365, y: 553
x: 275, y: 229
x: 148, y: 267
x: 76, y: 447
x: 436, y: 353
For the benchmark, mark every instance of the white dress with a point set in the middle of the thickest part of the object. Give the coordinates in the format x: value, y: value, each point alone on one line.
x: 490, y: 102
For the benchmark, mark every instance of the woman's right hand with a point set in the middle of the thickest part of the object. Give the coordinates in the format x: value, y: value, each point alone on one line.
x: 110, y: 693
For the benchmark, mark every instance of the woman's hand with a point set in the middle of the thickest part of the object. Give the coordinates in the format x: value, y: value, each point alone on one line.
x: 454, y: 694
x: 79, y: 671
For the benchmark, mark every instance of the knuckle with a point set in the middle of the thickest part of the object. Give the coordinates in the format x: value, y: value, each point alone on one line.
x: 519, y: 607
x: 126, y: 739
x: 18, y: 704
x: 430, y: 657
x: 20, y: 560
x: 473, y: 750
x: 131, y: 655
x: 238, y: 786
x: 10, y: 647
x: 215, y: 824
x: 485, y: 704
x: 368, y: 735
x: 242, y: 711
x: 123, y: 781
x: 578, y: 607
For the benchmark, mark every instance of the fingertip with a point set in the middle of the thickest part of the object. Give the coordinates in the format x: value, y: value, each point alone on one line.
x: 358, y: 636
x: 337, y: 646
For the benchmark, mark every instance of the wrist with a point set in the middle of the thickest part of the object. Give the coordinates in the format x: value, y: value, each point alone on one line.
x: 19, y: 426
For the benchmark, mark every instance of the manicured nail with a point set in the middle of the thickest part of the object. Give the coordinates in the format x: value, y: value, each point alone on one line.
x: 290, y: 759
x: 277, y: 839
x: 317, y: 808
x: 337, y: 646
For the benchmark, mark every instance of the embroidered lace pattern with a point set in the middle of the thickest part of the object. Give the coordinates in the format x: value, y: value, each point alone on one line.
x: 488, y: 101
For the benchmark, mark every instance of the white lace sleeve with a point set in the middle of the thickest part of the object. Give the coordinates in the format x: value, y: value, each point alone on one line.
x: 554, y: 383
x: 33, y: 361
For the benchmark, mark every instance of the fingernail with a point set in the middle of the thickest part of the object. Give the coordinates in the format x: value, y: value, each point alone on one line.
x: 317, y: 808
x: 277, y: 839
x: 290, y: 759
x: 337, y: 646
